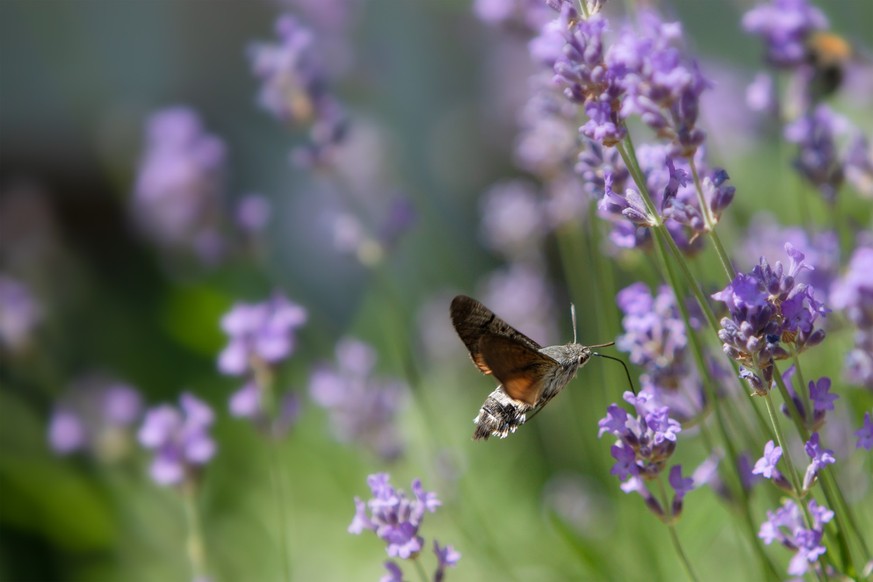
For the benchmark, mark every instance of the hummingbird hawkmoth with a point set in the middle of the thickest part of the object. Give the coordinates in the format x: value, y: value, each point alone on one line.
x: 530, y: 375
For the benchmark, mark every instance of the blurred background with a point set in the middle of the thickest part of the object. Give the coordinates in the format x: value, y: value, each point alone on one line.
x: 431, y: 97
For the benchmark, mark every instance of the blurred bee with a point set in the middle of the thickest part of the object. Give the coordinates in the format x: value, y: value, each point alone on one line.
x: 828, y: 54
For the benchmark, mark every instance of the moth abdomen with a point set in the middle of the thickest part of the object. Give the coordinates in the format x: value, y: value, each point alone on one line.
x: 500, y: 415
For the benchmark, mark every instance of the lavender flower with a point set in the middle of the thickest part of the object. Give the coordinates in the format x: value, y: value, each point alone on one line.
x: 362, y: 407
x: 259, y: 334
x: 446, y: 557
x: 858, y: 168
x: 641, y: 74
x: 645, y: 443
x: 96, y: 416
x: 818, y: 160
x: 784, y: 25
x: 180, y: 439
x: 766, y: 238
x: 681, y: 487
x: 768, y: 308
x: 820, y: 458
x: 20, y: 313
x: 179, y: 185
x: 294, y: 89
x: 655, y: 338
x: 787, y: 526
x: 394, y: 517
x: 853, y: 294
x: 395, y: 574
x: 766, y: 465
x: 865, y: 433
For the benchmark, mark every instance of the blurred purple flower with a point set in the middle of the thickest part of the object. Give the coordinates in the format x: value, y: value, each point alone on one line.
x: 819, y: 459
x: 179, y: 185
x: 259, y: 333
x: 20, y: 313
x: 395, y: 574
x: 447, y: 557
x: 817, y: 159
x: 253, y: 213
x: 853, y: 295
x: 820, y: 395
x: 294, y: 88
x: 784, y: 26
x: 513, y: 218
x: 865, y: 433
x: 858, y: 169
x: 393, y: 517
x: 767, y: 308
x: 362, y: 408
x: 760, y: 94
x: 681, y: 487
x: 96, y: 415
x: 180, y: 439
x: 787, y: 526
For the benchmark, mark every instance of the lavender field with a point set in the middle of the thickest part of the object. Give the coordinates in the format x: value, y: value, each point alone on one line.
x: 231, y: 233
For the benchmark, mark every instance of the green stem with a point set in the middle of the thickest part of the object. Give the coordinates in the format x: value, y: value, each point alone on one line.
x: 282, y: 514
x: 677, y: 545
x: 194, y: 544
x: 780, y: 439
x: 710, y: 222
x: 420, y: 569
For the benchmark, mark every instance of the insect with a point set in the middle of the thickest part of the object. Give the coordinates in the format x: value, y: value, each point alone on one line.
x: 530, y: 375
x: 828, y: 54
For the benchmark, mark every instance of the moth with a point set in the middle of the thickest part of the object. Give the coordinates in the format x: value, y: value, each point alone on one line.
x: 530, y: 375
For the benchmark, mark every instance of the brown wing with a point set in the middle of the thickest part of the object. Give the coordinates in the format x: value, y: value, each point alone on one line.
x: 521, y: 370
x: 473, y: 321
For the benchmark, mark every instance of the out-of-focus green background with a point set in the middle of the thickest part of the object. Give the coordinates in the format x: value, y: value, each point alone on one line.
x: 77, y: 80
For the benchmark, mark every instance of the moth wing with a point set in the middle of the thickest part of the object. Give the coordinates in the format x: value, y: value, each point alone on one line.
x: 473, y: 321
x: 521, y: 370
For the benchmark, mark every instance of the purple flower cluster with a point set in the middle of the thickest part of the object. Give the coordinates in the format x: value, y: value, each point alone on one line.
x: 853, y: 295
x: 179, y: 186
x: 259, y: 334
x: 785, y: 27
x: 642, y: 73
x: 819, y: 459
x: 655, y: 337
x: 818, y: 159
x: 179, y: 438
x: 20, y: 313
x: 294, y: 88
x: 766, y: 238
x: 787, y: 526
x: 96, y: 416
x: 361, y: 406
x: 396, y: 519
x: 770, y: 314
x: 645, y: 443
x: 669, y: 183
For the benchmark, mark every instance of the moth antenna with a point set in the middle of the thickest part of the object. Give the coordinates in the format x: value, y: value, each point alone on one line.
x: 623, y: 365
x: 573, y: 319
